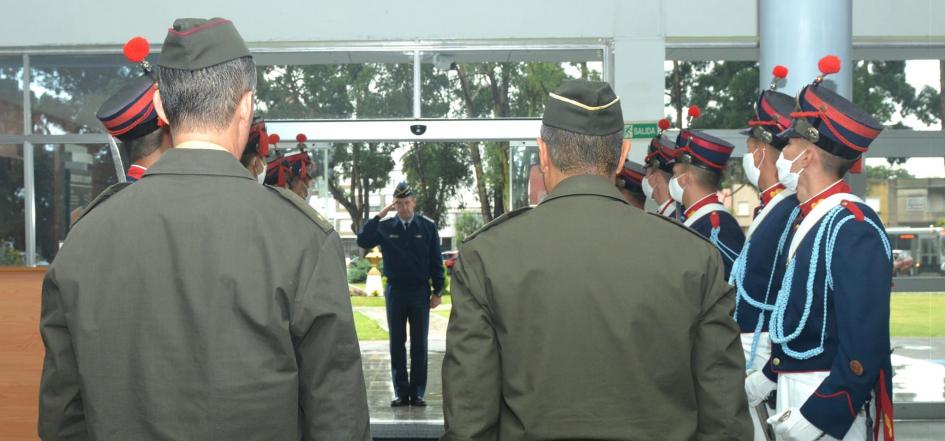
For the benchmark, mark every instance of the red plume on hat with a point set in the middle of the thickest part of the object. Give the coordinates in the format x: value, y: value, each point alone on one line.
x: 664, y: 125
x: 830, y: 64
x: 137, y: 50
x: 694, y: 112
x: 300, y: 138
x: 779, y: 72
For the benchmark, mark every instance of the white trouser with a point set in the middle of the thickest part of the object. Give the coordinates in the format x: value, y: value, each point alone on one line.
x: 795, y: 389
x: 762, y: 353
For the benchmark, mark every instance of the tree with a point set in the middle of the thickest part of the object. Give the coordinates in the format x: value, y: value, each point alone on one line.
x: 886, y: 172
x: 343, y: 91
x: 436, y: 171
x: 680, y: 81
x: 466, y: 224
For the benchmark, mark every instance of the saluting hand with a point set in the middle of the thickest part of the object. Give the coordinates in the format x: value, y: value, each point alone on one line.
x: 386, y: 210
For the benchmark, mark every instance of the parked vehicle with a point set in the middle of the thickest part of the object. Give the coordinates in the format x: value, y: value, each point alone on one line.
x: 926, y: 246
x: 903, y: 263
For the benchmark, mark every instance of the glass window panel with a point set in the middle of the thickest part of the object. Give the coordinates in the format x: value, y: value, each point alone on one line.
x: 515, y: 89
x: 11, y: 95
x: 336, y: 91
x: 12, y: 221
x: 67, y: 91
x: 68, y: 177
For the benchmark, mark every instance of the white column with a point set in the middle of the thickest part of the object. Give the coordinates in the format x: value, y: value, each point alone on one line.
x: 639, y: 81
x: 799, y: 33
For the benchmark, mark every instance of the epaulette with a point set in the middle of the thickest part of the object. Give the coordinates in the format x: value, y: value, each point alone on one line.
x: 102, y: 197
x: 854, y: 209
x: 683, y: 227
x: 497, y: 221
x: 428, y: 219
x: 305, y: 208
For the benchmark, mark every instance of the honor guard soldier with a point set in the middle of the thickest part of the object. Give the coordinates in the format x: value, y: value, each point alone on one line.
x: 630, y: 183
x: 830, y: 323
x: 545, y: 341
x: 129, y: 115
x: 758, y: 271
x: 413, y: 264
x: 659, y: 170
x: 293, y: 171
x: 254, y: 157
x: 230, y: 318
x: 697, y: 175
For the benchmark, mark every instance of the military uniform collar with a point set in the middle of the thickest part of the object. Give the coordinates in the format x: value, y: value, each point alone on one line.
x: 772, y: 191
x: 199, y: 161
x: 835, y: 188
x: 585, y: 185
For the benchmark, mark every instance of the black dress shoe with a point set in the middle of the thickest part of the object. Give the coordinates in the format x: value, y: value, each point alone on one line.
x: 418, y: 401
x: 399, y: 402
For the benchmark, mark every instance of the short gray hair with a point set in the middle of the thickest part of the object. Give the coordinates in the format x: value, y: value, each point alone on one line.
x: 205, y: 98
x: 578, y: 153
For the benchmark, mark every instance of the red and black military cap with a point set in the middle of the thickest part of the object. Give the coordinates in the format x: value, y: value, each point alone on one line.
x: 129, y: 113
x: 631, y: 177
x: 831, y: 121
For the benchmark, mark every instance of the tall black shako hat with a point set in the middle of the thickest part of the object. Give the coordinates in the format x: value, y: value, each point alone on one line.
x: 196, y: 43
x: 585, y: 107
x: 129, y: 114
x: 831, y: 121
x: 772, y: 112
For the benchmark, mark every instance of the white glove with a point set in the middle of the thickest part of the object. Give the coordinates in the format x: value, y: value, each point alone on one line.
x: 758, y: 387
x: 790, y: 425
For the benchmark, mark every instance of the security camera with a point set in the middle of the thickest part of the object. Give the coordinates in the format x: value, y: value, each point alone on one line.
x: 418, y: 129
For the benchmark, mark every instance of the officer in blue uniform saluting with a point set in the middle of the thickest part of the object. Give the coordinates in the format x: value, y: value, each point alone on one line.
x: 697, y: 176
x: 758, y: 271
x: 829, y: 326
x: 410, y: 244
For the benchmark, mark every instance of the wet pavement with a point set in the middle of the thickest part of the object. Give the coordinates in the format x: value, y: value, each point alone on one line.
x: 919, y: 365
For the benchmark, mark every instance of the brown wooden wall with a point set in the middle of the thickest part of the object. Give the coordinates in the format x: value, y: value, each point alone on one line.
x: 21, y: 353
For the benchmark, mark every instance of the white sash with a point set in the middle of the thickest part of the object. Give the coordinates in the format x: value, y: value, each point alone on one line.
x: 815, y: 215
x: 704, y: 210
x: 767, y: 209
x: 668, y: 209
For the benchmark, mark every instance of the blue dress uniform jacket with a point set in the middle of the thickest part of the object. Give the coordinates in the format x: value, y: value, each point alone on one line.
x: 760, y: 268
x: 412, y: 257
x: 842, y: 324
x: 728, y: 237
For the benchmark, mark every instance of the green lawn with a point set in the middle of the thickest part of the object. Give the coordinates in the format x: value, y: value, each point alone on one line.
x: 368, y: 329
x: 917, y: 315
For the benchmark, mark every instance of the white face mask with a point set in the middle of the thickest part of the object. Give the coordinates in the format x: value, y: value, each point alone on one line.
x: 675, y: 190
x: 647, y: 188
x: 752, y: 172
x: 785, y: 175
x: 261, y: 177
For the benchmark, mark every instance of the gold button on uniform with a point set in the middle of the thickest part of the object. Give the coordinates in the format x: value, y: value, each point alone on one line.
x: 776, y: 361
x: 856, y: 367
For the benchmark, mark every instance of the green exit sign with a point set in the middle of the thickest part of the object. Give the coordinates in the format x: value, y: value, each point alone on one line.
x: 640, y: 130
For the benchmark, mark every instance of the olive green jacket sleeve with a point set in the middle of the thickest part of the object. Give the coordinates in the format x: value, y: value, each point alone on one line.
x: 61, y: 415
x: 329, y: 358
x: 471, y: 369
x: 719, y: 363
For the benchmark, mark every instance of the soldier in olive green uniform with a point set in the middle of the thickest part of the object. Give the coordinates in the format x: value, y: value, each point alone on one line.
x: 585, y: 318
x: 197, y: 304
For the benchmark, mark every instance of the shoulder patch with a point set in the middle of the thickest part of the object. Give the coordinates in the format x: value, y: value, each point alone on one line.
x: 506, y: 216
x: 683, y: 227
x: 428, y: 219
x: 306, y: 209
x: 102, y: 197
